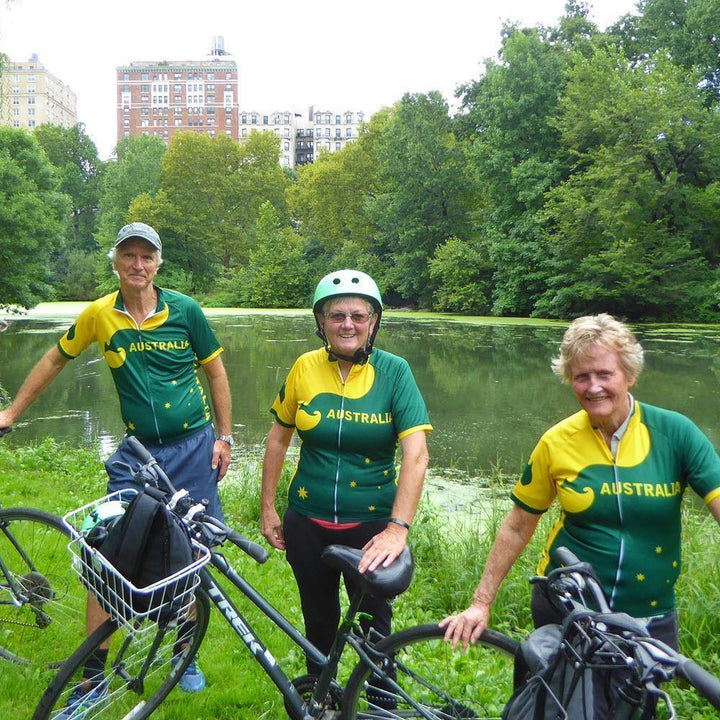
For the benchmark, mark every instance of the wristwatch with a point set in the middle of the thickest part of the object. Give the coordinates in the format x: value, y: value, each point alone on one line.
x: 226, y: 438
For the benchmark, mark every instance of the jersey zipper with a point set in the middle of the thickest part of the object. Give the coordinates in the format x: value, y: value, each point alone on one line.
x: 339, y: 438
x: 145, y: 373
x: 621, y: 551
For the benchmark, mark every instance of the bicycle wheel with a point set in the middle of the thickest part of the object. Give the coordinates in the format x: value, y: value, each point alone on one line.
x: 42, y: 603
x: 446, y: 684
x: 144, y: 663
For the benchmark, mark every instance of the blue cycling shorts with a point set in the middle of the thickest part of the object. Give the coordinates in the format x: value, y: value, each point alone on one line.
x: 187, y: 462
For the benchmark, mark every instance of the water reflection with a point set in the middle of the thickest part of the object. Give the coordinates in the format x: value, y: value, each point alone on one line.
x: 488, y: 387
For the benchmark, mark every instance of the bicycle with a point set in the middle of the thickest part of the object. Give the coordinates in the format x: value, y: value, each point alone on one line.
x: 410, y: 673
x: 40, y: 601
x: 598, y: 663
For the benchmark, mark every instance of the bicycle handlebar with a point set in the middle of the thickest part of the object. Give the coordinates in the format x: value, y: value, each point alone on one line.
x: 703, y: 681
x: 578, y: 574
x: 255, y: 551
x: 581, y: 575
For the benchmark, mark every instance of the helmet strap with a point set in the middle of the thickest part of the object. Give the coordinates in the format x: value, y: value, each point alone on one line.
x: 361, y: 355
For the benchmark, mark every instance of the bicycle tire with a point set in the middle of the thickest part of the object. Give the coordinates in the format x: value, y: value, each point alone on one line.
x: 51, y: 615
x: 124, y: 692
x: 446, y: 684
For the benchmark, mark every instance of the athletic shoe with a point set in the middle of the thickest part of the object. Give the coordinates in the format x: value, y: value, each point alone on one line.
x: 81, y: 700
x: 193, y: 679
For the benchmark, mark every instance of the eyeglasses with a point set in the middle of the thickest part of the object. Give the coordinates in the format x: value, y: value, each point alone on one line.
x: 359, y: 318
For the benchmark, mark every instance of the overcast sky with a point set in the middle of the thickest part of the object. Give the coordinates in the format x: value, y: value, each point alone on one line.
x: 359, y: 55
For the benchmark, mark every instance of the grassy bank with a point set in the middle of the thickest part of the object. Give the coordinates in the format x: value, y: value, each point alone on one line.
x: 449, y: 555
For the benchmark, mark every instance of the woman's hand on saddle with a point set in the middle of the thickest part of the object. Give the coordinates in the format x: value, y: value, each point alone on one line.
x: 467, y: 626
x: 383, y: 548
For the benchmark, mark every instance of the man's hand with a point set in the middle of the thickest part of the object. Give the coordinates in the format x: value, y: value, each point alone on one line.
x: 222, y: 455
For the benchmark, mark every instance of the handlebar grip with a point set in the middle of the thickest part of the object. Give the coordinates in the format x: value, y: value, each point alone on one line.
x: 566, y: 557
x: 703, y: 681
x: 139, y: 449
x: 5, y: 431
x: 255, y: 551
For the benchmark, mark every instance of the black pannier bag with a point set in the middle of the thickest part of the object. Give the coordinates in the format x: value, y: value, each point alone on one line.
x: 146, y: 545
x: 569, y: 674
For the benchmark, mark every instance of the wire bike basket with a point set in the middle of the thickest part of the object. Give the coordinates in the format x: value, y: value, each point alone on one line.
x: 162, y: 601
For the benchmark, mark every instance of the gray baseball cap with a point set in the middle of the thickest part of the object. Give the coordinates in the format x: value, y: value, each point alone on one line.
x: 139, y: 230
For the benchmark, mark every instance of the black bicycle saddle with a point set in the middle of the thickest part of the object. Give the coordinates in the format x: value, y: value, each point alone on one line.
x: 383, y: 582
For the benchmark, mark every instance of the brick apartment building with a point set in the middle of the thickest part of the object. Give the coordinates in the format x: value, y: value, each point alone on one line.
x: 161, y: 98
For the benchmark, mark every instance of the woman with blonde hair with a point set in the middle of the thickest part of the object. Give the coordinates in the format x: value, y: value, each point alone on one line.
x: 619, y: 469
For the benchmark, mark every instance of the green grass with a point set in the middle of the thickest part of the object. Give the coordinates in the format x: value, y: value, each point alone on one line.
x: 449, y: 554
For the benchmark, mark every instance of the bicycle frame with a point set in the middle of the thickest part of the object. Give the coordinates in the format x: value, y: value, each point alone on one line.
x: 345, y: 636
x: 18, y: 597
x: 260, y: 652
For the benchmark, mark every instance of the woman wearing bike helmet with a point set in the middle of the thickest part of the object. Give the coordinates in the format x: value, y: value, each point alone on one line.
x: 350, y: 404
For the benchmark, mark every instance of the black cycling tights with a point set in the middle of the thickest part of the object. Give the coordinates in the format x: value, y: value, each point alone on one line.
x: 319, y: 584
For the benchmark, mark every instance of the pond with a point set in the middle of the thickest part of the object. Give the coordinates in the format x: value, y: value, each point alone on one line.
x: 487, y: 383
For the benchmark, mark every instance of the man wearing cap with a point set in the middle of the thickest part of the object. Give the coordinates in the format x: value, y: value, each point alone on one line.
x: 153, y: 341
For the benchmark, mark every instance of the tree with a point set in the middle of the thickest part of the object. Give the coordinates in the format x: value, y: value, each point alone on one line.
x: 137, y: 170
x: 32, y: 215
x: 516, y: 157
x: 634, y: 229
x: 79, y: 171
x: 687, y: 31
x: 461, y: 273
x: 330, y: 196
x: 277, y: 274
x: 75, y: 158
x: 424, y: 193
x: 211, y: 193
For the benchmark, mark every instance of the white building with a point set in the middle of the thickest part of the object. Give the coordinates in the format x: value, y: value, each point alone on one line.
x: 303, y: 138
x: 30, y: 95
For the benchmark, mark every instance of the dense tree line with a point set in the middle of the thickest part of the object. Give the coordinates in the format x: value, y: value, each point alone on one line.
x: 581, y: 173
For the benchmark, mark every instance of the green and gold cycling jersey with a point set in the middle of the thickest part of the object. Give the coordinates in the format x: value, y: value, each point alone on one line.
x: 154, y: 367
x: 622, y: 514
x: 349, y: 432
